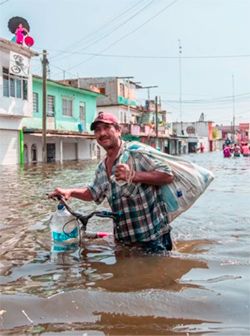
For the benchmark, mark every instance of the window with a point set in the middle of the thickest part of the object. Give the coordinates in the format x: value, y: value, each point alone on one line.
x: 50, y: 106
x: 33, y: 153
x: 102, y: 90
x: 101, y: 87
x: 122, y: 90
x: 14, y: 86
x: 35, y: 102
x: 18, y: 88
x: 121, y: 116
x: 26, y: 153
x: 82, y: 113
x: 25, y: 90
x: 67, y: 106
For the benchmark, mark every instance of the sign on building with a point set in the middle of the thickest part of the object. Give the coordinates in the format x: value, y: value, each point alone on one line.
x: 19, y: 64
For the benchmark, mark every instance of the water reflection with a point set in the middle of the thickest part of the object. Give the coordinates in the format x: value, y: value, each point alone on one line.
x: 98, y: 266
x: 131, y: 270
x: 203, y: 286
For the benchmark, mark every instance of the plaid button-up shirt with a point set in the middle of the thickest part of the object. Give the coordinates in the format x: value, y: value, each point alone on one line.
x: 143, y: 214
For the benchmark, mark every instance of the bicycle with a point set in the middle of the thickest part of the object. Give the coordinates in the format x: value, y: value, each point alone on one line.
x: 83, y: 220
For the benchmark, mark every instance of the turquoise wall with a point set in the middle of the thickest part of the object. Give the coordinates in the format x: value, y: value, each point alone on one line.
x: 63, y: 122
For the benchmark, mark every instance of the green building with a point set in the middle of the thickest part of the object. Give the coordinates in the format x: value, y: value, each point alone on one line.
x: 70, y: 111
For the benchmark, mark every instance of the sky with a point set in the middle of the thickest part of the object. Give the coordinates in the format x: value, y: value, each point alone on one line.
x: 196, y: 52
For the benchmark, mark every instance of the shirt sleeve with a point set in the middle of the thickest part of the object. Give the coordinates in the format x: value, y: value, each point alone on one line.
x: 99, y: 187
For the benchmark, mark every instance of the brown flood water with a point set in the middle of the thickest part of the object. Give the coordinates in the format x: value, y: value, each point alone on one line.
x: 201, y: 288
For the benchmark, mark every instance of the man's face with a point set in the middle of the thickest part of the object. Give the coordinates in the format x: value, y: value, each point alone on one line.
x: 107, y: 135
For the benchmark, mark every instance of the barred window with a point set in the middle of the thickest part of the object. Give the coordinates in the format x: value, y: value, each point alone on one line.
x: 14, y: 86
x: 67, y: 106
x: 82, y: 113
x: 50, y: 106
x: 35, y: 102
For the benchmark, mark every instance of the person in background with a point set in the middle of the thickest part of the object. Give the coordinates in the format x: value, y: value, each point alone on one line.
x: 227, y: 151
x: 236, y: 150
x: 201, y: 148
x: 132, y: 190
x: 20, y: 33
x: 245, y: 150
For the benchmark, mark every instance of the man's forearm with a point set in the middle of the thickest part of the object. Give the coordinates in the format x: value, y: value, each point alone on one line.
x: 81, y: 193
x: 153, y: 178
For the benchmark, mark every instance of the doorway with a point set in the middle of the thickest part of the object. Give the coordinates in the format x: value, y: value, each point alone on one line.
x: 51, y: 152
x: 33, y: 153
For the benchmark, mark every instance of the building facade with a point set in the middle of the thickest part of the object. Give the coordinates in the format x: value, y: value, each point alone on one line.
x: 118, y: 95
x: 69, y: 113
x: 137, y: 121
x: 234, y: 134
x: 15, y: 98
x: 196, y: 135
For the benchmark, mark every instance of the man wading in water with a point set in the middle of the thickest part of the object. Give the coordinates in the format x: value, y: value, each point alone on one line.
x: 142, y: 219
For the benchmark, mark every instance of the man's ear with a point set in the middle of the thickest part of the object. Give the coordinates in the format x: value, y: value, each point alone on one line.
x: 118, y: 127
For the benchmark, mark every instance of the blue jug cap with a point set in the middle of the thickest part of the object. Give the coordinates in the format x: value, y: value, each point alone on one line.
x: 60, y: 206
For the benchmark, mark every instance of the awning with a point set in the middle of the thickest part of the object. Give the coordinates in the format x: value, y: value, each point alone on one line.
x: 65, y: 136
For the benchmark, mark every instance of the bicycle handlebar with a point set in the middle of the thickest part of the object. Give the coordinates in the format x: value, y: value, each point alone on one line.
x: 85, y: 218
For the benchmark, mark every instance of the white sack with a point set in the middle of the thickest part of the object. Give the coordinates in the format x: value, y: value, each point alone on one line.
x: 190, y: 180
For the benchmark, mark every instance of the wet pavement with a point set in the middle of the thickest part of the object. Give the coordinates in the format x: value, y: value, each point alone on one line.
x: 201, y: 288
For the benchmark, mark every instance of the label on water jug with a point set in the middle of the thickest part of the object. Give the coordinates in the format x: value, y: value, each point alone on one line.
x: 64, y: 237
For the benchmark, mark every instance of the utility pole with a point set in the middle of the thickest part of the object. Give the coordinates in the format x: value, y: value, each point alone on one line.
x: 156, y: 122
x: 180, y: 84
x: 44, y: 142
x: 233, y: 96
x: 148, y: 89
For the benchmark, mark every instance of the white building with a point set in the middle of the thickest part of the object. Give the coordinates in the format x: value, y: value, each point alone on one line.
x: 15, y: 97
x: 198, y: 134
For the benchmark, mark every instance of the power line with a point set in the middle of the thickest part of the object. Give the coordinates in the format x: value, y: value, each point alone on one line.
x: 121, y: 24
x: 117, y: 27
x: 3, y: 2
x: 110, y: 20
x: 223, y: 99
x: 152, y: 56
x: 129, y: 33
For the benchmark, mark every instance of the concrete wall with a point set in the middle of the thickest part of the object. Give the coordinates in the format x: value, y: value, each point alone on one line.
x: 9, y: 147
x: 12, y: 109
x: 108, y: 83
x: 123, y: 113
x: 72, y: 149
x: 200, y: 128
x: 111, y: 85
x: 11, y: 106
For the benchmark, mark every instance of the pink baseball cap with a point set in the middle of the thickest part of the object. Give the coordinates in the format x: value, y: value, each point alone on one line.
x: 106, y: 118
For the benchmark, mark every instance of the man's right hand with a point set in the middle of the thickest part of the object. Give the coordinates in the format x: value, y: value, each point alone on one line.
x: 65, y: 193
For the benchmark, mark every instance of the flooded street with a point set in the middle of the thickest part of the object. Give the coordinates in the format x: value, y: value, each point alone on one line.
x: 201, y: 288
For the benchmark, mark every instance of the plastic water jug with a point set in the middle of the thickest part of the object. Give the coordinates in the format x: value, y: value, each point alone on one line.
x: 64, y: 227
